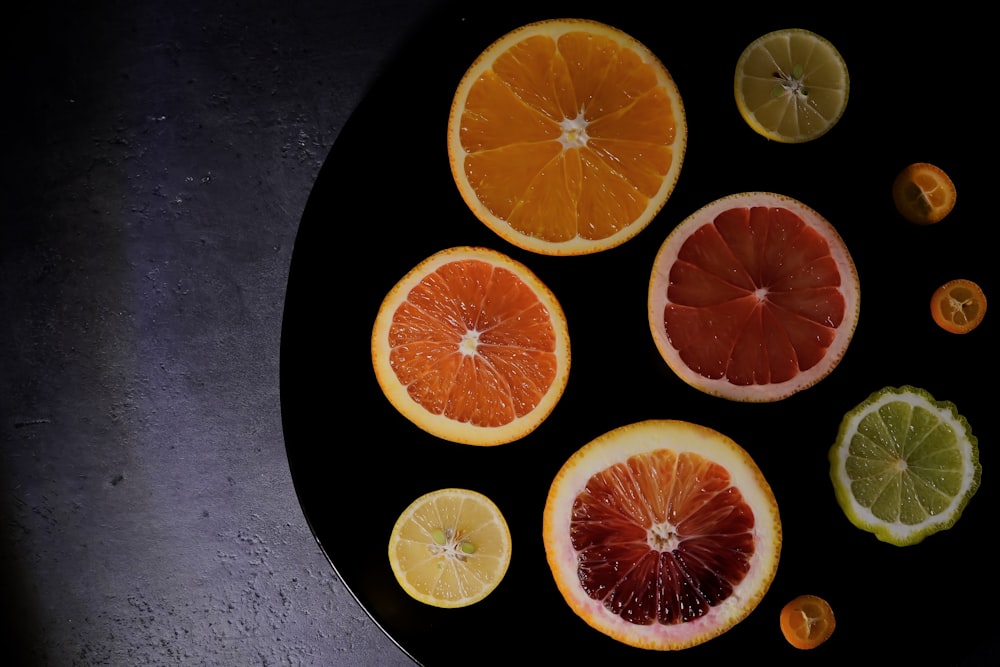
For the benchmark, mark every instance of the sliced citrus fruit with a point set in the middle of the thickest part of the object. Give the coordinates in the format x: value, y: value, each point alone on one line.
x: 923, y: 193
x: 958, y: 306
x: 450, y: 548
x: 662, y: 534
x: 753, y: 298
x: 904, y: 465
x: 791, y: 85
x: 566, y: 136
x: 807, y: 621
x: 472, y: 347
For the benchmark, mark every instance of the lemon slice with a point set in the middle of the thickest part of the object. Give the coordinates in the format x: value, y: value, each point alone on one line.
x: 904, y: 465
x: 450, y: 548
x: 791, y: 85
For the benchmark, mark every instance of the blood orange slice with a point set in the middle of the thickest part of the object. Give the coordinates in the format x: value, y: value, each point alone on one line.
x: 753, y: 298
x: 472, y: 347
x: 662, y: 534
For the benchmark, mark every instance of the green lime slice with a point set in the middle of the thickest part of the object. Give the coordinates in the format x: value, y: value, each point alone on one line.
x: 904, y: 465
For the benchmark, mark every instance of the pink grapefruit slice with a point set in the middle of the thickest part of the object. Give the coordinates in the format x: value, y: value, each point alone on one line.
x: 753, y: 298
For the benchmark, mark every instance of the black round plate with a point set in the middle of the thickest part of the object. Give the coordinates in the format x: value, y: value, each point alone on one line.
x: 385, y: 200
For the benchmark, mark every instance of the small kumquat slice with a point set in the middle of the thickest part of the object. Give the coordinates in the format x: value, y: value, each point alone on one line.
x: 958, y: 306
x: 923, y: 193
x: 807, y: 621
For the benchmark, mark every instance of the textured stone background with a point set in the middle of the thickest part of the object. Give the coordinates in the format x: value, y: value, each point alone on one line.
x: 157, y: 159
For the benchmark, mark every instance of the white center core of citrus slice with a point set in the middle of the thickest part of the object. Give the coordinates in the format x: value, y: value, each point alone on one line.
x: 470, y: 341
x: 574, y: 132
x: 663, y: 537
x: 448, y: 545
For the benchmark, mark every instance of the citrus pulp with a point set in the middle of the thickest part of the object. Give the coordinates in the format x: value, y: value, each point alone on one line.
x: 472, y: 347
x: 753, y: 298
x: 566, y: 136
x: 661, y: 534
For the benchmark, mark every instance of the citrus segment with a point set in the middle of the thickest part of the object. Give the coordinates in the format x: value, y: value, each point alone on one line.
x: 958, y: 306
x: 923, y: 193
x: 904, y: 465
x: 791, y: 85
x: 472, y: 347
x: 661, y: 534
x: 450, y: 548
x: 566, y: 137
x: 753, y: 298
x: 807, y: 621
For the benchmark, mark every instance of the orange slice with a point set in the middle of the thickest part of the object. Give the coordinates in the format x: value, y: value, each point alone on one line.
x: 807, y: 621
x: 566, y: 137
x: 958, y: 306
x: 754, y: 297
x: 923, y: 193
x: 662, y: 534
x: 472, y: 347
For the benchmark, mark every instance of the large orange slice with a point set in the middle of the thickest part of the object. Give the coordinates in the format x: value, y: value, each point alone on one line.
x: 753, y: 298
x: 662, y: 534
x: 566, y: 137
x: 472, y: 347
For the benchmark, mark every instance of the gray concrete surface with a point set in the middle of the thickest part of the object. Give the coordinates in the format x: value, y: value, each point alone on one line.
x: 159, y: 156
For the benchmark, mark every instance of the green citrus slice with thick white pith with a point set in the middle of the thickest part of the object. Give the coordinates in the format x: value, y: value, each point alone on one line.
x: 904, y: 465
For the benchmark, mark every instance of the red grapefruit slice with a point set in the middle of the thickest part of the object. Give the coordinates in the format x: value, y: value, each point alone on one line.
x: 754, y: 297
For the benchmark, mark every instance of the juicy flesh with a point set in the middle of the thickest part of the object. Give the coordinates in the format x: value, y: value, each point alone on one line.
x: 960, y: 305
x: 473, y: 342
x: 662, y: 537
x: 904, y: 464
x: 568, y: 138
x: 926, y: 194
x: 754, y: 297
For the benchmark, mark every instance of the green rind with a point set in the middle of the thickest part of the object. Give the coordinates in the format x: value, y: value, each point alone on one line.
x: 838, y: 461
